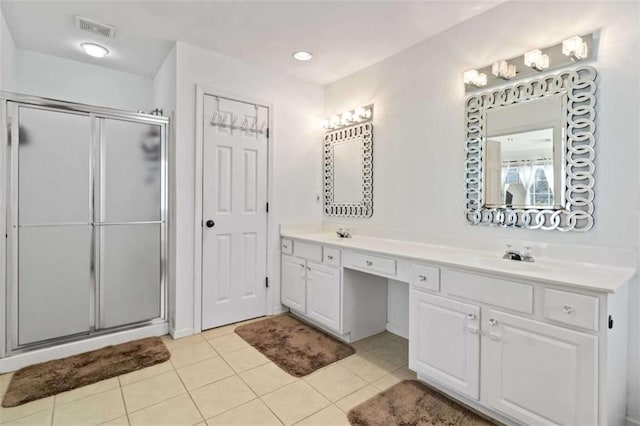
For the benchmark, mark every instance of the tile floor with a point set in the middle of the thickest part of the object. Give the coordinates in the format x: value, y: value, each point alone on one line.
x: 216, y: 378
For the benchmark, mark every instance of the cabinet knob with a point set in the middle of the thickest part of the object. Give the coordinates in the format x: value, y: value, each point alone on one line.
x: 285, y: 246
x: 567, y: 309
x: 471, y: 316
x: 422, y: 278
x: 493, y: 321
x: 369, y: 263
x: 330, y: 257
x: 302, y: 265
x: 308, y: 268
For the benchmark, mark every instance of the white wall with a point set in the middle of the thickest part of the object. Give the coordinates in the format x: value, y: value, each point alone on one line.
x: 418, y: 118
x: 295, y: 148
x: 7, y: 56
x: 59, y: 78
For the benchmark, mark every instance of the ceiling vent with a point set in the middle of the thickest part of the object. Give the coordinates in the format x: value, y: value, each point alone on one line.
x: 95, y: 27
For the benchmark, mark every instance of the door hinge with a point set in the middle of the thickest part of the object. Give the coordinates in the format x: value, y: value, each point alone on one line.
x: 266, y: 282
x: 267, y: 133
x: 610, y: 322
x: 267, y: 207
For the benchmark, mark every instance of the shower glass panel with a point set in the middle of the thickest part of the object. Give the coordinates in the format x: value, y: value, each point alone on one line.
x: 129, y: 274
x: 54, y: 226
x: 130, y: 155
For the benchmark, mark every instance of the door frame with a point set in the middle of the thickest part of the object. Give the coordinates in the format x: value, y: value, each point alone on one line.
x: 201, y: 91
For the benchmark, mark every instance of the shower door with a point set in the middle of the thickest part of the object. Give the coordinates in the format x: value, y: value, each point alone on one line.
x: 87, y: 222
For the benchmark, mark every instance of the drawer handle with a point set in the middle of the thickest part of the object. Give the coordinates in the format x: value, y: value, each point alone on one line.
x: 330, y: 257
x: 567, y: 309
x: 369, y: 263
x: 471, y: 316
x: 422, y: 278
x: 493, y: 321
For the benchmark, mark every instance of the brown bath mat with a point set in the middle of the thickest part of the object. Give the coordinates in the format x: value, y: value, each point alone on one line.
x: 294, y: 346
x: 60, y: 375
x: 412, y: 403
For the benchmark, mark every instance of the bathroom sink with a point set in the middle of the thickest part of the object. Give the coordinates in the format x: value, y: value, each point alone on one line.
x: 499, y: 263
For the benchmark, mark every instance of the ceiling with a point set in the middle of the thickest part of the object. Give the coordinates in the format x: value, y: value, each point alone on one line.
x: 344, y: 36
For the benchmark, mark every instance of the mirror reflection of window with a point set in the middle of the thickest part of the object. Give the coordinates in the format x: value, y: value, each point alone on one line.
x: 525, y: 163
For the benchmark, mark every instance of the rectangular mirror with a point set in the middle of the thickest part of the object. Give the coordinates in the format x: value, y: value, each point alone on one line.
x: 348, y: 170
x: 530, y: 149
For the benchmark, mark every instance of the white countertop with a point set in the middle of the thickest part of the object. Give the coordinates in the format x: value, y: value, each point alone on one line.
x: 586, y: 276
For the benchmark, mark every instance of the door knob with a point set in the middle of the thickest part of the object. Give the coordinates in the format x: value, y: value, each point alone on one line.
x: 210, y: 223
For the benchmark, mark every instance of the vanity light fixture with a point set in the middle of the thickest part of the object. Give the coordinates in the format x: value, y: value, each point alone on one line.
x: 503, y: 69
x: 94, y: 50
x: 536, y: 59
x: 475, y: 78
x: 575, y: 48
x: 302, y: 55
x: 347, y: 118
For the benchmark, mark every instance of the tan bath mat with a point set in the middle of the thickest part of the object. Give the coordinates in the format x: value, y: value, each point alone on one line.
x: 294, y: 346
x: 52, y: 377
x: 412, y: 403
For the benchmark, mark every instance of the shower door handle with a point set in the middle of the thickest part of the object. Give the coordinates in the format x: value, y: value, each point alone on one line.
x: 210, y: 223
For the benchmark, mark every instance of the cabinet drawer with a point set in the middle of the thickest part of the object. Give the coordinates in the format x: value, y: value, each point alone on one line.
x: 308, y: 251
x: 286, y: 246
x: 331, y: 256
x: 374, y: 263
x: 507, y: 294
x: 571, y: 308
x: 425, y: 277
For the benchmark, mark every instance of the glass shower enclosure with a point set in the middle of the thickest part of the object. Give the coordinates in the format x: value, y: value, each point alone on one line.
x: 86, y: 218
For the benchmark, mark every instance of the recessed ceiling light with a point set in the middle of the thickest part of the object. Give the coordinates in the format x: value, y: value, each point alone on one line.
x: 302, y: 55
x: 94, y: 50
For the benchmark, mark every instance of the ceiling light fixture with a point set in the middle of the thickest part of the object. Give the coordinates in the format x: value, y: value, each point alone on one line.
x: 575, y: 48
x: 302, y: 55
x: 94, y: 50
x: 536, y: 60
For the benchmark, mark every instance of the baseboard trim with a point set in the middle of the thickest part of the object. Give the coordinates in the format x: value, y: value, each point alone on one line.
x: 18, y: 361
x: 400, y: 331
x: 632, y: 422
x: 277, y: 310
x: 183, y: 332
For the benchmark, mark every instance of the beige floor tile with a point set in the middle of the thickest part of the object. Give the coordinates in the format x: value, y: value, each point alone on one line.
x: 330, y: 416
x: 335, y: 382
x: 191, y: 354
x: 245, y: 359
x: 204, y: 372
x: 145, y: 373
x: 5, y: 379
x: 253, y: 413
x: 367, y: 366
x: 394, y: 378
x: 170, y: 343
x: 152, y: 390
x: 120, y: 421
x: 41, y: 418
x: 223, y: 395
x: 294, y: 402
x: 8, y: 414
x: 267, y: 378
x: 172, y: 412
x: 228, y: 343
x: 374, y: 341
x: 219, y: 331
x: 357, y: 398
x: 92, y: 410
x: 393, y: 352
x: 85, y: 391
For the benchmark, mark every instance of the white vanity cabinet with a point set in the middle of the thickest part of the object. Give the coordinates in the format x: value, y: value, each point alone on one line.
x: 311, y: 285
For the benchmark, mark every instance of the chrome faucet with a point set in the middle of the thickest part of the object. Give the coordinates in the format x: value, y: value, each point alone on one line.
x: 343, y: 233
x: 524, y: 256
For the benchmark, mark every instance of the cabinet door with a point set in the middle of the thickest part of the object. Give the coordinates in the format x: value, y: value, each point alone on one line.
x: 539, y: 373
x: 323, y: 294
x: 293, y: 293
x: 444, y: 342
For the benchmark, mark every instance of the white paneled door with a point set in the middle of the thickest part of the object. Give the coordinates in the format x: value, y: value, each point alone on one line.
x: 234, y: 241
